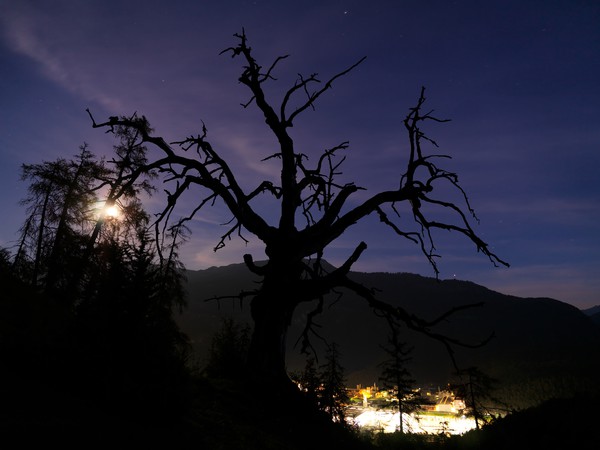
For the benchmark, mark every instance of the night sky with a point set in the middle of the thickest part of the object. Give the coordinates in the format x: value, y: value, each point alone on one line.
x: 520, y: 81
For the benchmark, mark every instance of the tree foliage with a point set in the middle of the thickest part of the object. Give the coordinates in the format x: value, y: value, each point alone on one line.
x: 476, y: 389
x: 103, y: 286
x: 229, y: 350
x: 324, y: 386
x: 396, y: 377
x: 59, y: 205
x: 333, y: 396
x: 309, y: 380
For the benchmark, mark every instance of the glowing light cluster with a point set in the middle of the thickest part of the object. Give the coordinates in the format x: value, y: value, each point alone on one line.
x: 388, y: 422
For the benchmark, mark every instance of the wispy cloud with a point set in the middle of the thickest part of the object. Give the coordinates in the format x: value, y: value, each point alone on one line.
x: 30, y: 34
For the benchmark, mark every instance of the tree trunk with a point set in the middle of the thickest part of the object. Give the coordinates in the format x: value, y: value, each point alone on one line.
x: 22, y: 242
x: 400, y: 411
x: 61, y: 229
x: 266, y: 359
x: 40, y: 239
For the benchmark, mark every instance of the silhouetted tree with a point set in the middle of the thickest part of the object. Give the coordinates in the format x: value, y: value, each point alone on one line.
x: 4, y: 259
x: 309, y: 380
x: 314, y: 208
x: 332, y: 395
x: 119, y: 279
x: 123, y: 183
x: 229, y: 350
x: 75, y: 214
x: 66, y: 213
x: 475, y: 388
x: 58, y: 203
x: 396, y: 377
x: 129, y: 338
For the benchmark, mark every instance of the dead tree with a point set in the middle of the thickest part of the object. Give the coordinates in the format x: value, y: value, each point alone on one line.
x: 313, y: 209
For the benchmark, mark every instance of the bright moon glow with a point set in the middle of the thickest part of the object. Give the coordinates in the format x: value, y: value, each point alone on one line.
x: 111, y: 211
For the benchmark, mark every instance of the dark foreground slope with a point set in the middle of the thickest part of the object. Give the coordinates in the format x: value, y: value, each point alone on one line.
x: 554, y: 424
x: 46, y: 400
x: 541, y: 347
x: 227, y: 416
x: 221, y: 416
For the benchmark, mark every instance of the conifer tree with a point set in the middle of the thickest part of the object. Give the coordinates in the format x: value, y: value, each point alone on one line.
x: 333, y: 395
x: 60, y: 207
x: 476, y: 389
x: 229, y: 350
x: 396, y: 377
x: 125, y: 317
x: 309, y: 381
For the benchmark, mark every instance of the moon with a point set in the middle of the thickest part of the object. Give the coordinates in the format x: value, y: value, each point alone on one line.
x: 111, y: 211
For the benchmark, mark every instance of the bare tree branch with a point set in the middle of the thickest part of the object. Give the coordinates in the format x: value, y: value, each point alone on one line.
x: 295, y: 272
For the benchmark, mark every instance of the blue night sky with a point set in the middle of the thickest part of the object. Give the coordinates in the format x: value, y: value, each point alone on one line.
x: 520, y: 81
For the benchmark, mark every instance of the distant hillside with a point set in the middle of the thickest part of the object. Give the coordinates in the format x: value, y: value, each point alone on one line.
x: 593, y: 313
x: 540, y: 344
x: 595, y: 318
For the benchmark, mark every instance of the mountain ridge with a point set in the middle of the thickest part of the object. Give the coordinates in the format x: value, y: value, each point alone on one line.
x: 535, y: 339
x: 592, y: 311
